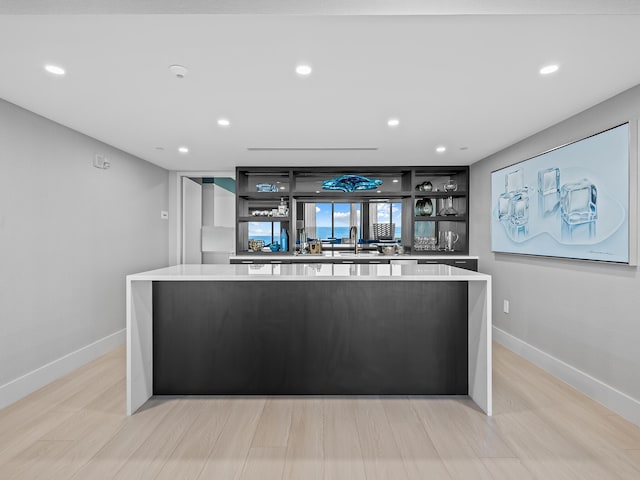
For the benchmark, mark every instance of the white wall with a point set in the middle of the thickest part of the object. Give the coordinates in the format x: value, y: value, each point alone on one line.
x: 69, y: 234
x: 578, y: 319
x: 218, y: 223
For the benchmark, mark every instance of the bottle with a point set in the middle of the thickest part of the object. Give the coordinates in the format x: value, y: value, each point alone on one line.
x: 284, y: 240
x: 283, y: 211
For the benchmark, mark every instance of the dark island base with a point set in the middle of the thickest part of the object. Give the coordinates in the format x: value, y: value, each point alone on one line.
x: 310, y: 338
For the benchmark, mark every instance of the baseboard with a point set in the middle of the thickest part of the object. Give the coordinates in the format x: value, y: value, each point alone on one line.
x: 615, y: 400
x: 38, y: 378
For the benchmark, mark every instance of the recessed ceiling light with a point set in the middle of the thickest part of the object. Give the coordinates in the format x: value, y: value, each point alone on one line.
x: 178, y: 70
x: 441, y: 149
x: 317, y: 191
x: 378, y: 191
x: 303, y: 70
x: 183, y: 149
x: 395, y: 180
x: 546, y: 70
x: 224, y: 122
x: 159, y: 148
x: 55, y: 69
x: 281, y: 188
x: 464, y: 148
x: 393, y: 122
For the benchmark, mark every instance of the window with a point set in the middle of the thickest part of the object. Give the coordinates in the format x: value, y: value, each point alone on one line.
x: 389, y: 214
x: 268, y: 232
x: 333, y: 220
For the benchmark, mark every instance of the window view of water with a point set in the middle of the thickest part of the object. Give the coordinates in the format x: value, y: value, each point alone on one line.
x: 338, y: 214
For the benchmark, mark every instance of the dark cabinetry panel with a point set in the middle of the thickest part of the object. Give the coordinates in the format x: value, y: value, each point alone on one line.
x: 259, y: 261
x: 311, y: 338
x: 469, y: 264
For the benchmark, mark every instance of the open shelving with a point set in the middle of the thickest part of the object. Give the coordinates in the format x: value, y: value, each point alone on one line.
x: 299, y: 185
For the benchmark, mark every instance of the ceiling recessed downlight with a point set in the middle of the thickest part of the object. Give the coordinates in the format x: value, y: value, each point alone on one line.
x: 224, y: 122
x: 179, y: 71
x: 393, y: 122
x: 183, y: 149
x: 395, y: 180
x: 303, y: 70
x: 441, y: 149
x: 547, y: 69
x: 55, y: 69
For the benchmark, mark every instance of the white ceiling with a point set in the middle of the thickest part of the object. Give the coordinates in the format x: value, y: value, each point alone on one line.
x: 455, y: 80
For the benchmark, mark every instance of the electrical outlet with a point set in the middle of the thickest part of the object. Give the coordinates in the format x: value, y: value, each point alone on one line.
x: 506, y: 306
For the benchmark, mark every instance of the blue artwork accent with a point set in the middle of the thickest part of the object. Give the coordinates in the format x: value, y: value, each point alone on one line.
x: 266, y: 187
x: 351, y: 183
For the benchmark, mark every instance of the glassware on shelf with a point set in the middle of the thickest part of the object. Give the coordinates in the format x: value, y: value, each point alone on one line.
x: 448, y: 239
x: 450, y: 186
x: 283, y: 210
x: 424, y: 207
x: 424, y: 186
x: 424, y: 243
x: 447, y: 208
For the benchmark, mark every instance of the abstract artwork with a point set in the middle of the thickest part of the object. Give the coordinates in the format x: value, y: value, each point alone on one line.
x: 351, y: 183
x: 571, y: 202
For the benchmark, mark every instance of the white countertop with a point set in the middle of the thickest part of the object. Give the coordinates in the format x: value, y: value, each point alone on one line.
x: 313, y: 271
x: 347, y: 255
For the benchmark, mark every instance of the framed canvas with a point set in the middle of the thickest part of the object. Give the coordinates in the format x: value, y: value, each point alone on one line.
x: 571, y: 202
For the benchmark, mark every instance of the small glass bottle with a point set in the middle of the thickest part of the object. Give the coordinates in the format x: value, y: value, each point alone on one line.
x: 282, y: 208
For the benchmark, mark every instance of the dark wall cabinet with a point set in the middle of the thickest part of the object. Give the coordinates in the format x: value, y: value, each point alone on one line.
x: 435, y: 203
x: 468, y: 264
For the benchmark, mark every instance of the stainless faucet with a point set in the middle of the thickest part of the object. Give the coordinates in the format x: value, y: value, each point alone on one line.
x: 353, y: 233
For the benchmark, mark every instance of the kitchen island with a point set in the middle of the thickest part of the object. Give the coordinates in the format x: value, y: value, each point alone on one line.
x: 309, y: 329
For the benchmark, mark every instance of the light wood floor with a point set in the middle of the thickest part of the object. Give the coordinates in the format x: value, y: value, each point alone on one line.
x: 542, y: 429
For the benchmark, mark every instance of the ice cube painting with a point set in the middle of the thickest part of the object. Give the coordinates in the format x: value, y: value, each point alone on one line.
x: 548, y: 190
x: 571, y: 202
x: 577, y: 201
x: 519, y: 209
x: 549, y: 180
x: 514, y: 181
